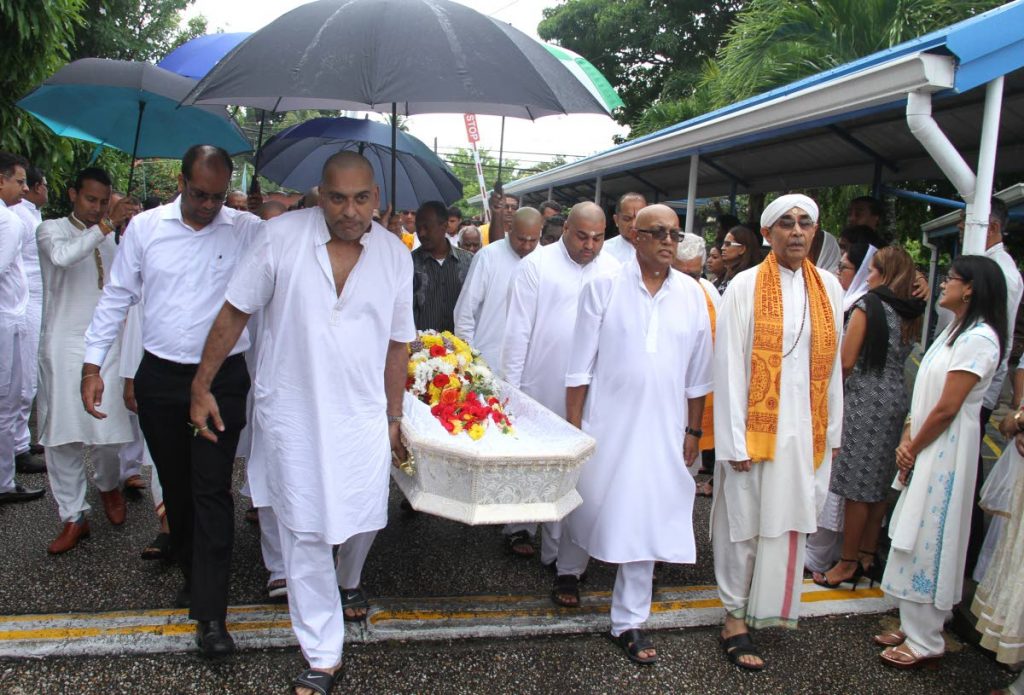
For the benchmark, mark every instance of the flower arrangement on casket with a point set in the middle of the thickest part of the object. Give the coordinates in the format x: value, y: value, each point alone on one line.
x: 453, y: 379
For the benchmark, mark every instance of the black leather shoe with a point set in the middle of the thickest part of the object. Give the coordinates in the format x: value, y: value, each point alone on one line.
x: 26, y: 463
x: 20, y: 493
x: 183, y: 599
x: 213, y: 638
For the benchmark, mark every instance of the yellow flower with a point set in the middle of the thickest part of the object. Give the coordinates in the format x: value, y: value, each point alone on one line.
x: 476, y: 430
x: 434, y: 393
x: 458, y: 427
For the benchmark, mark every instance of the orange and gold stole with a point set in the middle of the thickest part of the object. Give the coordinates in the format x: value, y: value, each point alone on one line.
x: 707, y: 423
x: 766, y: 360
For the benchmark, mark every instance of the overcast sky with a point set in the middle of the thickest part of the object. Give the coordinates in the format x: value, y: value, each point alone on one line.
x: 569, y: 135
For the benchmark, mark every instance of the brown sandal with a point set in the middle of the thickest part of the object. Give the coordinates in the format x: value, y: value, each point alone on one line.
x: 890, y: 639
x: 908, y: 659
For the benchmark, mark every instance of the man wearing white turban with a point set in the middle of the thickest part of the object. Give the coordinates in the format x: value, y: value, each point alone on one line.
x: 778, y: 330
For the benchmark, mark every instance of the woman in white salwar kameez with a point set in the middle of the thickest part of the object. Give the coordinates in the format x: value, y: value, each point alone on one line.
x: 937, y: 458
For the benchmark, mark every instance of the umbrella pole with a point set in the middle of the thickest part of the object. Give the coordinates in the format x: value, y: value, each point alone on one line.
x: 259, y: 148
x: 394, y: 147
x: 135, y: 148
x: 501, y: 147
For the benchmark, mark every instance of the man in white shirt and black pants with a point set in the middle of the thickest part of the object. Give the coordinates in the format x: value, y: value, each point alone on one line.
x: 184, y: 254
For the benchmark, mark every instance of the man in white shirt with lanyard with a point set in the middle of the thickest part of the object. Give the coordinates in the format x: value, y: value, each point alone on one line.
x: 183, y: 254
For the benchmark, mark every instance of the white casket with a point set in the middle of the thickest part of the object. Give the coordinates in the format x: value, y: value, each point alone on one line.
x: 528, y: 476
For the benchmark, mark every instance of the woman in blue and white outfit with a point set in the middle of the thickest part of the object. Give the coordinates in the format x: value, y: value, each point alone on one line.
x: 937, y: 459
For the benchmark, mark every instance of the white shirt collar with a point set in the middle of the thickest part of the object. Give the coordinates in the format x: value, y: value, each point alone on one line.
x: 172, y: 211
x: 29, y: 204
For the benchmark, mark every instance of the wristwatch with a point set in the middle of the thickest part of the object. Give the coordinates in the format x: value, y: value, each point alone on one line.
x: 696, y: 433
x: 394, y: 418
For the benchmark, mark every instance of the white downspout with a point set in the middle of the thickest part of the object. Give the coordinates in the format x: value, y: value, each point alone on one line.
x: 691, y: 192
x: 975, y: 190
x: 977, y: 215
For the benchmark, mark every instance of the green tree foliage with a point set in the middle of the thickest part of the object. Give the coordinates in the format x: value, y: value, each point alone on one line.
x: 134, y: 29
x: 774, y: 42
x: 36, y: 36
x: 648, y: 49
x: 461, y: 163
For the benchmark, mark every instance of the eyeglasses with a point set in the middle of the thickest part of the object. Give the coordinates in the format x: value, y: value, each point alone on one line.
x: 787, y: 222
x: 511, y: 207
x: 843, y: 267
x: 661, y: 233
x: 950, y: 277
x: 731, y: 244
x: 201, y: 196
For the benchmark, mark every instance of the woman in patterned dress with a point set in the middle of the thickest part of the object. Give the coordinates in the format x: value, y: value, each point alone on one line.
x: 937, y: 459
x: 882, y: 326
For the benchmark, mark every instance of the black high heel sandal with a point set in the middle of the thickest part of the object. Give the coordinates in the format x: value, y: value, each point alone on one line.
x: 857, y: 574
x: 873, y: 572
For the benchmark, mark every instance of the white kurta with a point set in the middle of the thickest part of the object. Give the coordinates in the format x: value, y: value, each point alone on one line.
x: 1014, y: 290
x: 931, y: 523
x: 70, y: 277
x: 483, y: 303
x: 543, y: 302
x: 319, y: 401
x: 642, y: 357
x: 620, y: 249
x: 783, y: 494
x: 30, y: 216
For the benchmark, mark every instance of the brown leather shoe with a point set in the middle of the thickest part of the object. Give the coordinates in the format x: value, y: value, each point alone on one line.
x: 69, y: 537
x: 113, y: 505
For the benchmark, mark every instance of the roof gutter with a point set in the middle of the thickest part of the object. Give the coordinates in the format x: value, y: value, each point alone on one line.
x: 976, y: 190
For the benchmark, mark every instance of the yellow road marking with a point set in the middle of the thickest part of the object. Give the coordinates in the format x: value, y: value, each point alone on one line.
x: 65, y: 633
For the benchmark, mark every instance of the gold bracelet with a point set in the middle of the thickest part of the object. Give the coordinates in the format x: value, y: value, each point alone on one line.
x: 86, y: 376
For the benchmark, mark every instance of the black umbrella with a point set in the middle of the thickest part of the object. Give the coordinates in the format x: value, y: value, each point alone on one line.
x: 398, y: 56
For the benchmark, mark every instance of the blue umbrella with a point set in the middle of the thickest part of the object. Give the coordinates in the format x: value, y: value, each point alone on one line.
x: 295, y: 157
x: 132, y: 107
x: 194, y: 58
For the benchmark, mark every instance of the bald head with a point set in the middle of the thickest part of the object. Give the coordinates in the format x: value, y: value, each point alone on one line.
x: 657, y: 214
x: 525, y: 232
x: 584, y: 232
x: 346, y: 160
x: 586, y: 212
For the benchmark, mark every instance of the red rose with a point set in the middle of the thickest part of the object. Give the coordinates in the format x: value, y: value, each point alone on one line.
x: 438, y: 351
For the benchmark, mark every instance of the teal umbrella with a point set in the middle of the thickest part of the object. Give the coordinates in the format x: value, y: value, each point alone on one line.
x: 589, y: 76
x: 132, y: 107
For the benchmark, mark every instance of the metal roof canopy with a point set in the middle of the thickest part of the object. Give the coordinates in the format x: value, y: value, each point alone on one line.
x: 843, y: 126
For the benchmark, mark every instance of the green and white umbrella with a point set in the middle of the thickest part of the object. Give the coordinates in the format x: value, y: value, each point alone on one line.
x: 589, y: 76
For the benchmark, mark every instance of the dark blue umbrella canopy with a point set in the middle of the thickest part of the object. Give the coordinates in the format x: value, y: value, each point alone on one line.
x: 194, y: 58
x: 295, y: 157
x: 424, y: 56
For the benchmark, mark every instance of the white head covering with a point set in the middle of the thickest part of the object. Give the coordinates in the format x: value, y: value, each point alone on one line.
x: 783, y: 204
x: 859, y: 284
x: 692, y: 246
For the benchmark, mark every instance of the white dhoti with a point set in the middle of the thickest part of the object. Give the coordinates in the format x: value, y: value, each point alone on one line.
x: 12, y: 378
x: 550, y: 535
x: 759, y: 579
x: 29, y: 367
x: 65, y: 467
x: 631, y: 595
x: 314, y: 602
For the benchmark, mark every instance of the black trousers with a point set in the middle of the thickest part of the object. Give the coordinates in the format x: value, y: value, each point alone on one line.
x: 195, y: 473
x: 977, y: 536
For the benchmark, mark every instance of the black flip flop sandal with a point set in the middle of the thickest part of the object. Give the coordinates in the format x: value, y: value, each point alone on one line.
x: 633, y: 642
x: 159, y: 548
x: 520, y: 543
x: 738, y: 646
x: 566, y: 584
x: 320, y: 682
x: 354, y: 599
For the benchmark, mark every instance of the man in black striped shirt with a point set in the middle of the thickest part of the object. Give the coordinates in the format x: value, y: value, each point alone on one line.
x: 440, y: 267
